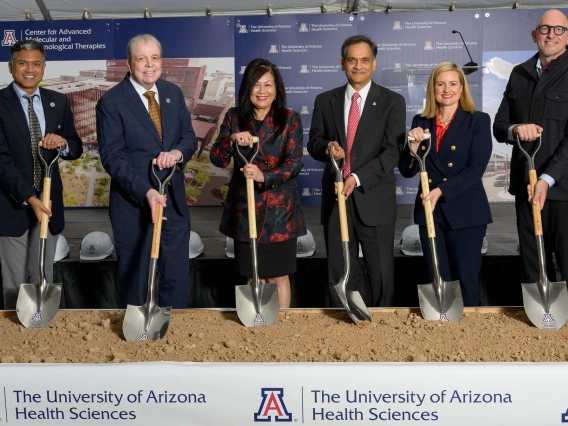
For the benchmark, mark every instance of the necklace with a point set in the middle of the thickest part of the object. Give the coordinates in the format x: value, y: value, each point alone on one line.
x: 445, y: 122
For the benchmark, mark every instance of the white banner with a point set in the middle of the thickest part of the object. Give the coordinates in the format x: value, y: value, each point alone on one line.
x: 314, y: 394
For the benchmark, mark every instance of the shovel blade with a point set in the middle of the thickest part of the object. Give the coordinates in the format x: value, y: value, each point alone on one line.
x: 353, y: 303
x: 534, y: 305
x: 452, y: 308
x: 134, y: 325
x: 28, y: 302
x: 269, y: 305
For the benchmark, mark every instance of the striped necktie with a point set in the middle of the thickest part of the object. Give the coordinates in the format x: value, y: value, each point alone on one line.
x: 352, y: 123
x: 154, y: 110
x: 35, y: 135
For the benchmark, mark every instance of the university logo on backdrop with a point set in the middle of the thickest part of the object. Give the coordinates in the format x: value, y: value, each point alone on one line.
x: 304, y: 69
x: 399, y: 190
x: 273, y: 49
x: 428, y: 45
x: 305, y: 110
x: 303, y: 28
x: 243, y: 29
x: 306, y: 192
x: 397, y: 65
x: 272, y: 406
x: 9, y: 38
x: 397, y: 26
x: 243, y: 68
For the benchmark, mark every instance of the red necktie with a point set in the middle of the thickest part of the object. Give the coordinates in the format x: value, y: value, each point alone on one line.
x: 352, y: 123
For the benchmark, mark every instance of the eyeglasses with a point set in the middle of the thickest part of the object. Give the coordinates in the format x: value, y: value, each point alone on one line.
x: 545, y: 29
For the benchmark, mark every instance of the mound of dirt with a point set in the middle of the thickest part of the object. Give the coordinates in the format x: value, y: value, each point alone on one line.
x: 297, y: 336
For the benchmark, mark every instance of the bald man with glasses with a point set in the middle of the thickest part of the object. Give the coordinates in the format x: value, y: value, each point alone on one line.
x: 535, y: 102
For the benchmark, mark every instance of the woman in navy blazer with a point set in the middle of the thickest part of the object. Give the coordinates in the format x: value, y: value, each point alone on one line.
x: 461, y: 148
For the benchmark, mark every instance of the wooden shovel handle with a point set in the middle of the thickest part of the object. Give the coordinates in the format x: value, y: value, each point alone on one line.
x: 45, y: 201
x: 342, y: 213
x: 251, y: 209
x: 427, y: 205
x: 535, y: 207
x: 157, y: 231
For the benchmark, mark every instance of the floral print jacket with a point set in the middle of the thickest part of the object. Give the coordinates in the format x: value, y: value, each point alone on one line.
x: 279, y: 215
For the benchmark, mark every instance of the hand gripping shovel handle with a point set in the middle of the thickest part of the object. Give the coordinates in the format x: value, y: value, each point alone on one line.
x: 154, y: 253
x: 535, y: 207
x: 250, y: 191
x: 46, y: 189
x: 425, y: 189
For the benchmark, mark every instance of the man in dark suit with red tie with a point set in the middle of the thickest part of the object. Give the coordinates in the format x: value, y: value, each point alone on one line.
x: 30, y: 114
x: 141, y: 119
x: 365, y: 123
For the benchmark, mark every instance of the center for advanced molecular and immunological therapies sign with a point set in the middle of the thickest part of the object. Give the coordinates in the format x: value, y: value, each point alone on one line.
x: 315, y: 394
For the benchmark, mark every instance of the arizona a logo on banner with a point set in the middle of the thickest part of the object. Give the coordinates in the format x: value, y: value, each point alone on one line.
x: 272, y: 406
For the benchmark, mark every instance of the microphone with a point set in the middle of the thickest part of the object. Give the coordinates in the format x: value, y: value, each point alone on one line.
x: 467, y: 71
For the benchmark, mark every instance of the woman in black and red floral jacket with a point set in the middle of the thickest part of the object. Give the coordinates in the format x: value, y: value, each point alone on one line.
x: 262, y: 112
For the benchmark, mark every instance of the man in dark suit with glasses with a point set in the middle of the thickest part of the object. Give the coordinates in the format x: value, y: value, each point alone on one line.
x: 536, y: 101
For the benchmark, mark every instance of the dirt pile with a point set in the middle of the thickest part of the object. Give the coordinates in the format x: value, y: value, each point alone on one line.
x: 297, y: 336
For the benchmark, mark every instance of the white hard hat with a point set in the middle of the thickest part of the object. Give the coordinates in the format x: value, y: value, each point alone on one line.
x: 62, y: 249
x: 484, y: 246
x: 96, y: 246
x: 306, y: 245
x: 410, y: 241
x: 229, y: 247
x: 195, y: 245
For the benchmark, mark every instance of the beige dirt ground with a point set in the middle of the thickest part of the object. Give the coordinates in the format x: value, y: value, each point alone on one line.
x: 297, y: 336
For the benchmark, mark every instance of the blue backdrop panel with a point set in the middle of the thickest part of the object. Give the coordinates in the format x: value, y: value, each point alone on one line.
x: 63, y: 40
x: 409, y: 46
x: 307, y: 51
x: 197, y: 37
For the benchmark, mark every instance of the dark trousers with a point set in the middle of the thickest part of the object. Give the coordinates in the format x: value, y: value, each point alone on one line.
x: 377, y: 245
x: 555, y: 229
x: 133, y: 240
x: 459, y: 255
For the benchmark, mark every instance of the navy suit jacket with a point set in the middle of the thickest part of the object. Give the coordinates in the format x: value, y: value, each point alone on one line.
x: 457, y: 169
x: 17, y: 165
x: 128, y: 141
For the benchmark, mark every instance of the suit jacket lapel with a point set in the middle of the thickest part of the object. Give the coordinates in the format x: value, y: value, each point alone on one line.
x: 430, y: 123
x: 48, y: 111
x: 139, y: 110
x: 371, y: 110
x: 452, y: 134
x: 14, y: 105
x: 338, y: 107
x: 167, y: 110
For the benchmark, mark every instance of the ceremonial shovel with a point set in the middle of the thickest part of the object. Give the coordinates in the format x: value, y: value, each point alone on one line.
x: 439, y: 300
x: 38, y: 303
x: 150, y: 322
x: 351, y: 300
x: 257, y: 304
x: 545, y: 302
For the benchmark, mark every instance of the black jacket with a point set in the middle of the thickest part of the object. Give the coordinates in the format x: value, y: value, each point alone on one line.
x: 542, y: 101
x: 375, y: 153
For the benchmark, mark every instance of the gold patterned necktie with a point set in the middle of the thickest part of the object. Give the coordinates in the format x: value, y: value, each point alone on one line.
x: 154, y: 110
x: 35, y: 136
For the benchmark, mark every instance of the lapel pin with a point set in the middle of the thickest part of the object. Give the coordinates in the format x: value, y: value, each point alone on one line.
x: 374, y: 103
x: 167, y: 100
x: 52, y: 104
x: 59, y: 126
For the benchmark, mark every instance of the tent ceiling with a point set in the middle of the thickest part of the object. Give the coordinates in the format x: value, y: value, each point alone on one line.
x: 14, y: 10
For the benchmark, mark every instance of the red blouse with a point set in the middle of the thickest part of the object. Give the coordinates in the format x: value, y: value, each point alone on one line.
x: 441, y: 130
